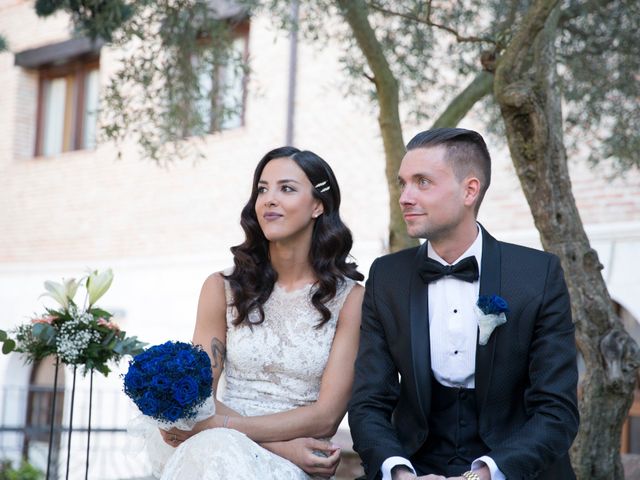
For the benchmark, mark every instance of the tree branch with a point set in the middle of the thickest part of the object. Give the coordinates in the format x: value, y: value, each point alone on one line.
x: 480, y: 86
x: 427, y: 21
x: 356, y: 13
x: 531, y: 25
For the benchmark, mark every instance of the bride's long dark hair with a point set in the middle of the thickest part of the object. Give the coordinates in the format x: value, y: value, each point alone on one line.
x: 253, y: 277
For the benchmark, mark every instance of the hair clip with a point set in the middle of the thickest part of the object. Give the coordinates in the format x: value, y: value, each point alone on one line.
x: 328, y: 187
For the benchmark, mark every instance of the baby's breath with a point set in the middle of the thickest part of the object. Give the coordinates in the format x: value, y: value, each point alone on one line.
x: 73, y: 341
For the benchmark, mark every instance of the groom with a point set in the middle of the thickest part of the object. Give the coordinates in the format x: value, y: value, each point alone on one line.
x: 429, y: 398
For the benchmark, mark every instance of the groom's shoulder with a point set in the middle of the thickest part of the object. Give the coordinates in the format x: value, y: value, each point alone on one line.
x: 525, y: 257
x: 399, y: 259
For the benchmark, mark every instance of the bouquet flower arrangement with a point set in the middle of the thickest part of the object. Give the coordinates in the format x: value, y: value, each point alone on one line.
x: 491, y: 310
x: 172, y: 384
x: 76, y: 335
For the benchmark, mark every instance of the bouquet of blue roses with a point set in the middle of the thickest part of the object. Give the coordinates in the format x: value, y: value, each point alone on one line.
x: 171, y: 384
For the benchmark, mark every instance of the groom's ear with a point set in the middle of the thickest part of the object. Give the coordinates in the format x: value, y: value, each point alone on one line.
x: 471, y: 191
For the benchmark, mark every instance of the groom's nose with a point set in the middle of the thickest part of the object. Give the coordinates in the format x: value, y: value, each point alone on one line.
x: 406, y: 196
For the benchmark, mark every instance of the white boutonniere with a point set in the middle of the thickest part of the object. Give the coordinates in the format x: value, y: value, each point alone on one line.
x: 491, y: 310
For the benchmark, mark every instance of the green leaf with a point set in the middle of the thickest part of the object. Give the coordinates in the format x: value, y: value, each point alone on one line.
x: 98, y: 312
x: 3, y: 335
x: 8, y: 346
x: 44, y: 332
x: 107, y: 340
x: 119, y: 348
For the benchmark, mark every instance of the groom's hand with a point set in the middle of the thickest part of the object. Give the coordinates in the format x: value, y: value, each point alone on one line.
x: 315, y: 457
x: 402, y: 473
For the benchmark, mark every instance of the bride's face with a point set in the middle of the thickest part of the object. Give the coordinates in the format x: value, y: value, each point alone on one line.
x: 285, y: 206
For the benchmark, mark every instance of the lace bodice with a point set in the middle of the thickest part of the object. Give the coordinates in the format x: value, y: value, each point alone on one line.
x: 272, y: 366
x: 278, y: 364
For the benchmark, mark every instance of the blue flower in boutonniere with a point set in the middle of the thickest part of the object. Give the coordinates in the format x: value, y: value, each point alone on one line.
x: 491, y: 310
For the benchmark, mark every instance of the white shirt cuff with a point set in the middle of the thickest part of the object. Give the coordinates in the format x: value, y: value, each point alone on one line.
x: 391, y: 462
x: 496, y: 474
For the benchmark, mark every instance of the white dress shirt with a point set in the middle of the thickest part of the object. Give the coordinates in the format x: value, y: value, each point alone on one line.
x: 453, y: 330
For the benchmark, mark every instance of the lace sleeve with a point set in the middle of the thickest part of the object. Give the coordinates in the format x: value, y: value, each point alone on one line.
x: 228, y: 295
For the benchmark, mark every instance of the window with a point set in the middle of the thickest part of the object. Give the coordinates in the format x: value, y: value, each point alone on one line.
x: 39, y: 405
x: 67, y: 107
x: 222, y: 89
x: 68, y: 79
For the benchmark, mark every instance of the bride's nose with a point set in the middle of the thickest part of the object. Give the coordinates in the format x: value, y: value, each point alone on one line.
x: 270, y: 200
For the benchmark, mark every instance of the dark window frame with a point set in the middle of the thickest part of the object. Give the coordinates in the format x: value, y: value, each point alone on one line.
x: 78, y: 67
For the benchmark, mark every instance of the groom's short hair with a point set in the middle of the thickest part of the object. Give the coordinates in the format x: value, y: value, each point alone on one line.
x: 466, y: 152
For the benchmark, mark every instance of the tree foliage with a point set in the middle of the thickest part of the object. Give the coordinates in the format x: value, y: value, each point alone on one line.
x: 93, y: 18
x: 599, y: 57
x: 167, y: 90
x: 157, y: 97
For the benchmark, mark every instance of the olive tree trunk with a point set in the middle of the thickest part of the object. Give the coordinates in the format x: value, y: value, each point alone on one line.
x: 525, y: 87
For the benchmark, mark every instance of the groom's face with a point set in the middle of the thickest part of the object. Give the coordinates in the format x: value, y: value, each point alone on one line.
x: 432, y: 198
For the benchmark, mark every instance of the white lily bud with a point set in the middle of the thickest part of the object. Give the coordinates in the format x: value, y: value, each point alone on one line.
x: 61, y: 292
x: 70, y: 288
x: 98, y: 284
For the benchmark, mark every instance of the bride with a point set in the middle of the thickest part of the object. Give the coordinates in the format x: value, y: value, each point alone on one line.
x: 284, y: 325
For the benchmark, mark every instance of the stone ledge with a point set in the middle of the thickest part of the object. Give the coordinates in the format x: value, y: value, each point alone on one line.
x: 631, y: 465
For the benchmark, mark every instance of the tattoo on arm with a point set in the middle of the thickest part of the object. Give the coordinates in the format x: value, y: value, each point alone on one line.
x: 218, y: 353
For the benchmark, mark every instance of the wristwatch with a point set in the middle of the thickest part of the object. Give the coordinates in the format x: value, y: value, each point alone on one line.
x: 471, y: 475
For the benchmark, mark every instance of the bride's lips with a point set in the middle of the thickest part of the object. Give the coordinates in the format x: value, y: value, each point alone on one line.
x: 269, y: 216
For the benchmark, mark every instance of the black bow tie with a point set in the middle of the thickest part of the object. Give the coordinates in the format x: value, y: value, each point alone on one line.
x: 432, y: 270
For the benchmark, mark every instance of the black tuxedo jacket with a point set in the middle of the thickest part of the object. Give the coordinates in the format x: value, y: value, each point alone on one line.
x: 525, y: 377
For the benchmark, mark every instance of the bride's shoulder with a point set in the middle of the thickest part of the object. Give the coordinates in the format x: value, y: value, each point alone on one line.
x: 354, y: 292
x: 216, y: 285
x: 219, y: 278
x: 348, y: 292
x: 348, y: 285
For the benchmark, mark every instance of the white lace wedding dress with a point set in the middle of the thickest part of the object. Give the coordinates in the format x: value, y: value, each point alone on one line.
x: 271, y: 367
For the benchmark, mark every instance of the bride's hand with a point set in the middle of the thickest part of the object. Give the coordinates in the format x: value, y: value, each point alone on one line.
x: 175, y: 437
x: 315, y: 457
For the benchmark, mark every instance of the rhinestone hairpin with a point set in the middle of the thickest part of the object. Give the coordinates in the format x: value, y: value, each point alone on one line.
x: 328, y: 187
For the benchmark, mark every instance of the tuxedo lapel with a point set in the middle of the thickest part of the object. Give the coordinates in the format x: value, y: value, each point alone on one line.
x: 420, y: 346
x: 489, y: 285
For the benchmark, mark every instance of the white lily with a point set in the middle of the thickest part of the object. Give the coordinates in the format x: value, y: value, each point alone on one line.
x: 61, y: 292
x: 98, y: 284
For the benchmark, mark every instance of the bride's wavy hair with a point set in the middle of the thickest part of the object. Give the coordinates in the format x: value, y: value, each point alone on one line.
x: 253, y: 277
